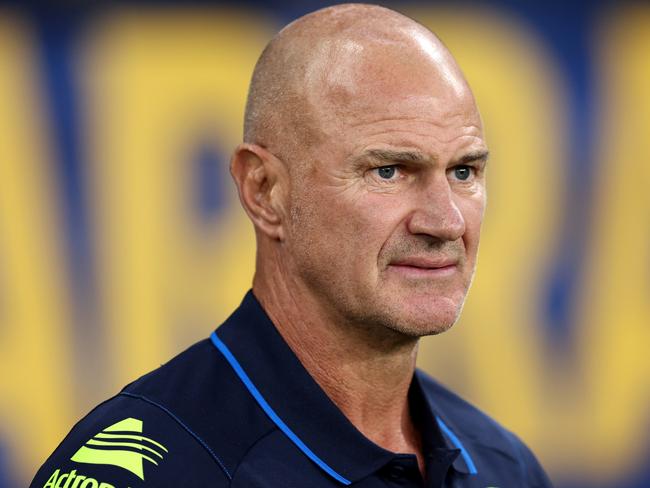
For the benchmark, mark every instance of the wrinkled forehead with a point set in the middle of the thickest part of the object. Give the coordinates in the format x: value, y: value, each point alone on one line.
x: 352, y: 81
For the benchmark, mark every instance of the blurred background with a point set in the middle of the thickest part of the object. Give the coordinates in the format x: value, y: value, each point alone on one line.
x: 122, y: 240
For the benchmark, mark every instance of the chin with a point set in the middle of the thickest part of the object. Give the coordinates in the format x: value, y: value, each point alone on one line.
x: 421, y: 329
x: 431, y: 318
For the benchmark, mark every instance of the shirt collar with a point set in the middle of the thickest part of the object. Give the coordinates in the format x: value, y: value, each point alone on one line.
x: 295, y: 402
x: 447, y: 427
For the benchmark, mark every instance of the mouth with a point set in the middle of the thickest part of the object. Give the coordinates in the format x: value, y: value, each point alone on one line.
x: 425, y: 267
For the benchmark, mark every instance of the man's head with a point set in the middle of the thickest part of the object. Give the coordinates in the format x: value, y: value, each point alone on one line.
x: 363, y: 169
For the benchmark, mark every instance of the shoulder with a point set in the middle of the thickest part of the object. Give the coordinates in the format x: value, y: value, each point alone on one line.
x: 127, y: 442
x: 180, y: 425
x: 492, y: 446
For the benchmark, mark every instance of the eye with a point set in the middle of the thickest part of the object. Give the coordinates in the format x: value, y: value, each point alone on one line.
x: 386, y: 172
x: 463, y: 172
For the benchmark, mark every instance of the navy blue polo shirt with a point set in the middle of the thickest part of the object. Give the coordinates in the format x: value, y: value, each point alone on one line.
x: 240, y: 410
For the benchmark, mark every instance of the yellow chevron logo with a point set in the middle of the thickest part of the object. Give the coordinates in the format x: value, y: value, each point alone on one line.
x: 122, y: 445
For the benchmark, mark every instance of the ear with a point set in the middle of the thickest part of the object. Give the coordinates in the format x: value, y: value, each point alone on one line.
x: 261, y: 181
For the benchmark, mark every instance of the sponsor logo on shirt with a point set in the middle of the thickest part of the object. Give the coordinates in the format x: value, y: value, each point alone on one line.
x: 122, y: 445
x: 73, y: 480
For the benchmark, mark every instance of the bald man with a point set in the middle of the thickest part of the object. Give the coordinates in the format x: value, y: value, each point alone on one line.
x: 363, y: 172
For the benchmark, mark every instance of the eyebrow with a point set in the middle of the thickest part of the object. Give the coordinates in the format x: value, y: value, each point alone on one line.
x: 475, y: 156
x: 389, y: 156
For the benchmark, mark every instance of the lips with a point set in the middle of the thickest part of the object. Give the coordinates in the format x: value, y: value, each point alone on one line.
x: 426, y: 262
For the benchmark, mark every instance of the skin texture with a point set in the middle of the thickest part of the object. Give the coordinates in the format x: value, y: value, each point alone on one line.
x: 363, y: 172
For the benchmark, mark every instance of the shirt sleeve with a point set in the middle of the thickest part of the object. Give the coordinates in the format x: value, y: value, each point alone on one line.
x: 129, y: 442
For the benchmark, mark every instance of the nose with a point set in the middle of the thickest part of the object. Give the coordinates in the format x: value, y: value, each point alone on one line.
x: 436, y: 213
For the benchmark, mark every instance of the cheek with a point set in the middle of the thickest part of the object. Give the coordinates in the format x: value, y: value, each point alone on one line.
x: 322, y: 230
x: 345, y: 230
x: 375, y: 219
x: 472, y: 210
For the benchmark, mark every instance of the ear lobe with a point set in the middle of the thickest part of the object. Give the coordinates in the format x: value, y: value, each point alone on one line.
x: 260, y: 179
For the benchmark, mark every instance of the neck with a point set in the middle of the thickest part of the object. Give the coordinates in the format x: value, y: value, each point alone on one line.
x: 366, y: 373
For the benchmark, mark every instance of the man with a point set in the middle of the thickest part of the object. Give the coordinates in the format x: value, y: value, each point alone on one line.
x: 363, y: 172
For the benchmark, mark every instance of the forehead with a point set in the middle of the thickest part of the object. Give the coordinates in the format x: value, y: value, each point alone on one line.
x: 390, y: 89
x: 442, y: 128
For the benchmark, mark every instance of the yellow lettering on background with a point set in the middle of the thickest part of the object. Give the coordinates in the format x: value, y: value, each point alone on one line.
x: 35, y: 386
x: 615, y: 312
x: 159, y: 86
